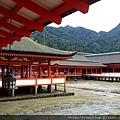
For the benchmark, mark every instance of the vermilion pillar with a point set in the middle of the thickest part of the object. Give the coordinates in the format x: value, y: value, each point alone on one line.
x: 2, y: 70
x: 75, y: 71
x: 49, y: 75
x: 39, y: 71
x: 49, y: 68
x: 86, y: 70
x: 30, y: 71
x: 56, y: 70
x: 22, y: 71
x: 27, y: 75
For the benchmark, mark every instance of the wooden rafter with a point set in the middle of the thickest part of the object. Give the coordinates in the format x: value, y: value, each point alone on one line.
x: 23, y: 25
x: 40, y: 10
x: 80, y: 5
x: 21, y: 19
x: 18, y: 31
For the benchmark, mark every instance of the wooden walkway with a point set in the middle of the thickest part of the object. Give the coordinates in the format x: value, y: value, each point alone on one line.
x: 114, y: 77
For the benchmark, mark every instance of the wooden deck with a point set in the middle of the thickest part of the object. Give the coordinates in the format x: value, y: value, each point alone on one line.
x: 38, y: 82
x: 115, y: 77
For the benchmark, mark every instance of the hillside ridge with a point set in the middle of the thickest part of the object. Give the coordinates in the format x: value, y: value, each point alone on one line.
x: 79, y: 39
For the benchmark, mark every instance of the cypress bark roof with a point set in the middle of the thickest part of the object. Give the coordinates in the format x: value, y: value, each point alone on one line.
x: 78, y: 63
x: 105, y: 58
x: 78, y: 60
x: 27, y: 45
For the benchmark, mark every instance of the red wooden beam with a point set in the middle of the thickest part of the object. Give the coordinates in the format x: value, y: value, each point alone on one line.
x: 80, y: 5
x: 39, y: 10
x: 19, y: 31
x: 15, y: 62
x: 59, y: 10
x: 21, y: 19
x: 14, y: 37
x: 6, y: 40
x: 2, y: 44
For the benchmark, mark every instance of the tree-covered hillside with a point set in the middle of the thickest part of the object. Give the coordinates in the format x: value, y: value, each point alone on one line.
x: 79, y: 39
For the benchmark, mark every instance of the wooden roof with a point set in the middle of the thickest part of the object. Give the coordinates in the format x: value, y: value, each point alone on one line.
x: 78, y: 63
x: 78, y: 60
x: 21, y: 17
x: 105, y: 58
x: 28, y: 47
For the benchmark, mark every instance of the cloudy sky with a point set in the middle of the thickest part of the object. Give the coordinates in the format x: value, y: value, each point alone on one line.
x: 102, y: 16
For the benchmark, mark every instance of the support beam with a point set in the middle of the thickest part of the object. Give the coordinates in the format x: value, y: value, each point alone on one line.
x: 19, y: 31
x: 21, y: 19
x: 7, y: 34
x: 5, y: 40
x: 80, y: 5
x: 40, y: 10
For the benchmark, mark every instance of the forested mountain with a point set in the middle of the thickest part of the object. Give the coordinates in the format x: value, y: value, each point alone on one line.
x: 79, y: 39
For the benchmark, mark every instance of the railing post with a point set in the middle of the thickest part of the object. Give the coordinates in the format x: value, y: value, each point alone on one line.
x: 13, y: 92
x: 65, y: 84
x: 55, y: 87
x: 36, y: 86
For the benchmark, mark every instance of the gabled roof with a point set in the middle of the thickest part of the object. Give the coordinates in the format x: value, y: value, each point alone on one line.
x: 78, y: 60
x: 27, y: 45
x: 21, y: 17
x: 77, y: 63
x: 105, y: 58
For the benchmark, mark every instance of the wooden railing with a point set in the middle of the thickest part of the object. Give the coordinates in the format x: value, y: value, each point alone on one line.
x: 22, y: 82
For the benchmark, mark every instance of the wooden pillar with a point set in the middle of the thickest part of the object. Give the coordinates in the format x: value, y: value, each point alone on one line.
x: 13, y: 92
x: 30, y: 71
x: 22, y: 71
x: 68, y: 70
x: 49, y: 75
x: 80, y: 70
x: 86, y: 70
x: 36, y: 86
x: 55, y: 87
x: 49, y: 68
x: 36, y: 89
x: 11, y: 68
x: 113, y: 69
x: 107, y: 69
x: 64, y: 87
x: 96, y: 70
x: 40, y: 71
x: 101, y: 70
x: 2, y: 70
x: 56, y: 70
x: 75, y: 70
x: 27, y: 75
x: 91, y: 70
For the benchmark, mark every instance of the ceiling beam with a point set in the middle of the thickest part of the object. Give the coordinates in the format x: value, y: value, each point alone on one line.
x: 5, y: 40
x: 40, y: 10
x: 19, y: 31
x: 13, y: 36
x: 80, y: 5
x: 21, y: 19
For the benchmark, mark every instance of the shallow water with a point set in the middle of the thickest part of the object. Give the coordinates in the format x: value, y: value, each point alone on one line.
x: 91, y: 98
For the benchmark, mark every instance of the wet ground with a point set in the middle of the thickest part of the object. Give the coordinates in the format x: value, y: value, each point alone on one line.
x: 91, y: 98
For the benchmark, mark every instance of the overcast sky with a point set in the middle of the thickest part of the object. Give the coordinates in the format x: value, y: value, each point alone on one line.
x: 102, y: 16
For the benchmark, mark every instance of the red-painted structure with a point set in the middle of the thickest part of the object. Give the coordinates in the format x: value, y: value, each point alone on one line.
x: 31, y: 63
x: 20, y: 17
